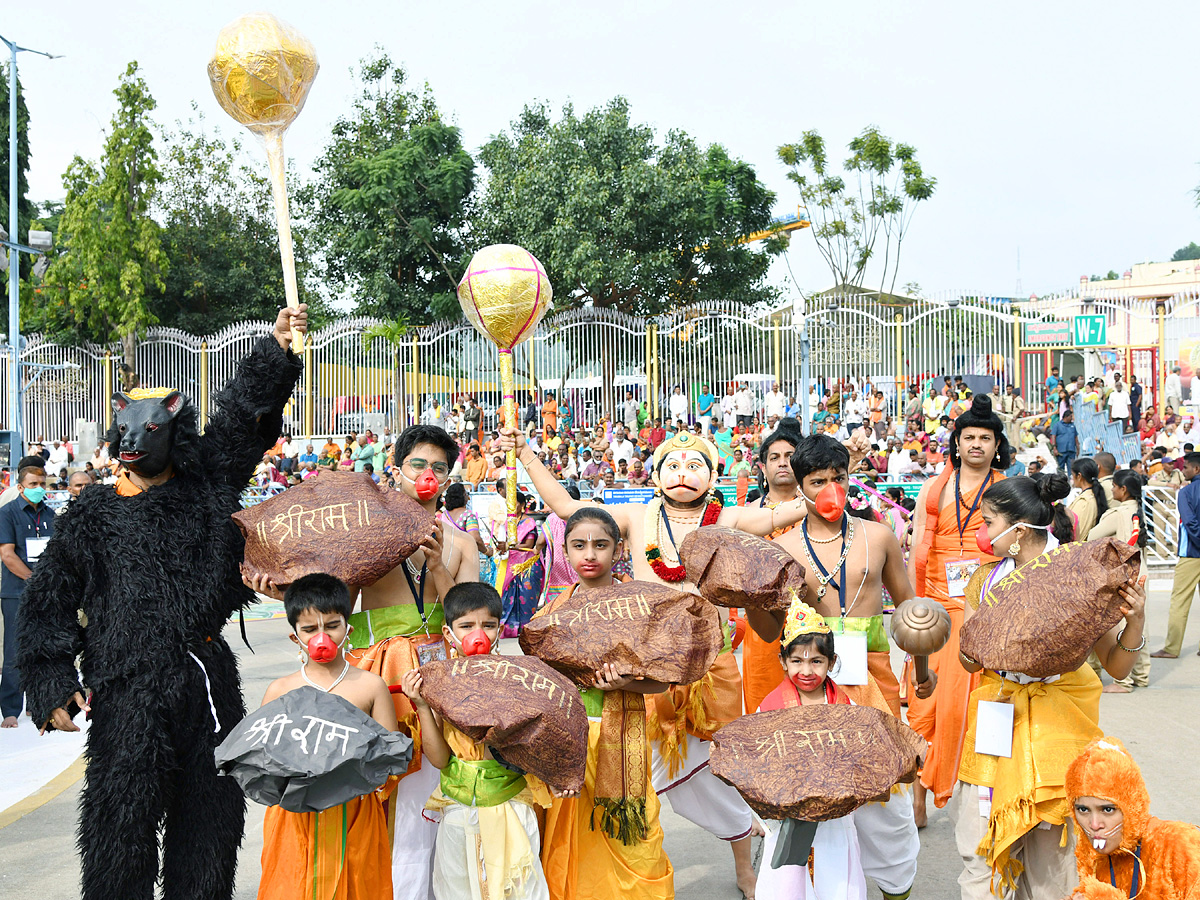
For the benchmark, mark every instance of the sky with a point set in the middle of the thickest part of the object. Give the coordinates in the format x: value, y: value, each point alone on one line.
x: 1059, y: 132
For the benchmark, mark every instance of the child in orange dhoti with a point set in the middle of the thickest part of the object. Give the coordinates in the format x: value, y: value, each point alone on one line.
x: 607, y: 843
x: 487, y: 841
x: 342, y: 852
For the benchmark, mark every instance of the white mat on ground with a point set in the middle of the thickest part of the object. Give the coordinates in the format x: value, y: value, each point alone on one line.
x: 29, y: 761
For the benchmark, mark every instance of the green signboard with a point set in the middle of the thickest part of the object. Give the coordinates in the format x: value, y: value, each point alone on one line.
x: 1047, y: 333
x: 1091, y: 331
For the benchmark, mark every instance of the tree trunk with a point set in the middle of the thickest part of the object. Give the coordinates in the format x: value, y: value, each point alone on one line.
x: 129, y: 367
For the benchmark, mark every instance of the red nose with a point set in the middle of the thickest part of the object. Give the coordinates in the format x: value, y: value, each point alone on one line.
x: 476, y: 643
x: 427, y: 485
x: 831, y: 502
x: 322, y: 649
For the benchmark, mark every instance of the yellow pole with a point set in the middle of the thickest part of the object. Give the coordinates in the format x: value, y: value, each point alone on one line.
x: 1016, y: 379
x: 510, y: 418
x: 203, y: 384
x: 108, y: 391
x: 649, y: 375
x: 1161, y: 374
x: 532, y: 374
x: 899, y: 367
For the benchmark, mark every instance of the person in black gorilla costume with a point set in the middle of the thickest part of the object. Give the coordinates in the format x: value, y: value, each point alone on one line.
x: 153, y: 564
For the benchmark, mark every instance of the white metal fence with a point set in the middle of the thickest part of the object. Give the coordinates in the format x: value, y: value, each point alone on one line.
x: 592, y: 356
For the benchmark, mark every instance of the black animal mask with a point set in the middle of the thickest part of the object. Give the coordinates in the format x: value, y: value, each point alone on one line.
x: 146, y: 431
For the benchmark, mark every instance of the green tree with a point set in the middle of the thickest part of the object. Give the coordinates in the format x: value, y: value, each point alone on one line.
x: 390, y: 200
x: 112, y: 255
x: 1191, y: 251
x: 624, y: 222
x: 25, y: 208
x: 219, y: 238
x: 862, y: 213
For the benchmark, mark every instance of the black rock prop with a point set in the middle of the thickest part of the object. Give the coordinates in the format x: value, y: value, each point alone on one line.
x: 308, y: 751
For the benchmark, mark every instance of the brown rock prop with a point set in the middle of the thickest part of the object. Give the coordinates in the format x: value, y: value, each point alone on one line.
x: 735, y: 569
x: 815, y: 762
x: 337, y: 522
x: 644, y: 629
x: 1044, y: 618
x: 520, y: 707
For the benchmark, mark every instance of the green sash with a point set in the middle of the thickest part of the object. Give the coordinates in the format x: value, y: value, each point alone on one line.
x: 871, y: 626
x: 593, y: 701
x: 374, y: 625
x: 483, y: 782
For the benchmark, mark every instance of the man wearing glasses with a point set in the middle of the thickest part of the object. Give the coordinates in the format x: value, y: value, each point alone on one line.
x: 399, y: 627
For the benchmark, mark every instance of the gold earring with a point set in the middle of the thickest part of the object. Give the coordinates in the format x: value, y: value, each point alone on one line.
x: 1014, y: 548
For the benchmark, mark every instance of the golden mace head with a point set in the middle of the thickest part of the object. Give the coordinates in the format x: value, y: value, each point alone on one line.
x: 261, y: 71
x: 505, y: 293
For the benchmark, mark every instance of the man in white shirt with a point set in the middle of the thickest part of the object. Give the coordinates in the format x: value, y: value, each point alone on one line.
x: 59, y: 457
x: 1173, y: 389
x: 728, y: 407
x: 621, y: 447
x: 744, y: 406
x: 855, y: 413
x: 775, y: 402
x: 1118, y: 403
x: 678, y: 406
x: 897, y: 459
x: 629, y: 413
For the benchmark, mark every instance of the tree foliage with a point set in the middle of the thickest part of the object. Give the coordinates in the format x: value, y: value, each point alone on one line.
x: 220, y: 238
x: 25, y: 208
x: 1191, y: 251
x: 391, y: 200
x: 622, y: 221
x: 860, y: 214
x: 112, y: 255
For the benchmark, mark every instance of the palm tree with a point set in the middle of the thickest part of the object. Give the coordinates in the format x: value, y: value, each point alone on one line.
x: 393, y: 332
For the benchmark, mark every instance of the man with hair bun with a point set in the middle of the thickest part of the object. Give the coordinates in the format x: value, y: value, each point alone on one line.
x: 943, y: 559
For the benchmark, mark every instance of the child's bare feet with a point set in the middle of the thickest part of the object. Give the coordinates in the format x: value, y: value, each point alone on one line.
x: 743, y: 862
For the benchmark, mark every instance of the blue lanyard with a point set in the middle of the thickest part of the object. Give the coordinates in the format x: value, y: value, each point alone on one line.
x: 825, y: 572
x: 958, y: 503
x: 1137, y: 864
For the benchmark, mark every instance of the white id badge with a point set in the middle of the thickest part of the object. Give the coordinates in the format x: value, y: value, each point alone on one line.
x: 34, y: 547
x: 994, y: 728
x: 958, y: 573
x: 851, y: 649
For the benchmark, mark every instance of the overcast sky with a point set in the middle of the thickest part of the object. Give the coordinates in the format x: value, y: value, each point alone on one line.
x: 1062, y: 131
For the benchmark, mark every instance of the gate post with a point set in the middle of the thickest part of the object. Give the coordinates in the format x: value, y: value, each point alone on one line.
x: 204, y: 384
x: 899, y: 366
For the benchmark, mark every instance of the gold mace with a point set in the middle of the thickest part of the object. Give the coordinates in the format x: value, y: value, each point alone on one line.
x: 261, y: 72
x: 504, y: 294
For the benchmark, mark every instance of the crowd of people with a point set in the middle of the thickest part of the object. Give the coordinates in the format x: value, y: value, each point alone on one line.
x: 464, y: 822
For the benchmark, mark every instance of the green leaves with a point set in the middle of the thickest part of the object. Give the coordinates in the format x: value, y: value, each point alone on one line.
x: 849, y: 216
x: 392, y: 198
x: 620, y: 220
x: 112, y: 249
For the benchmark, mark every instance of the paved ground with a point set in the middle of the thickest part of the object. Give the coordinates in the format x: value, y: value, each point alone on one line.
x: 38, y: 861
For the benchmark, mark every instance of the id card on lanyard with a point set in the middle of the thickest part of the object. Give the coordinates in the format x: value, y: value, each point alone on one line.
x: 430, y: 647
x: 960, y: 569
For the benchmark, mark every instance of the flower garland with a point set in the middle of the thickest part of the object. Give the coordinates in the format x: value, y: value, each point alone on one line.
x: 654, y: 510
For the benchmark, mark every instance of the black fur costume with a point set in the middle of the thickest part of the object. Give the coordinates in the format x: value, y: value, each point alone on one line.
x: 157, y: 576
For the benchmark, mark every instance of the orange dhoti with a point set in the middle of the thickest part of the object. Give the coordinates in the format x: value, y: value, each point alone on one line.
x: 761, y: 669
x: 386, y: 641
x: 340, y: 853
x: 942, y: 718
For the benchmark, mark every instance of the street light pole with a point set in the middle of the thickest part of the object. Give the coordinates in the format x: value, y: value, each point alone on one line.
x: 15, y: 422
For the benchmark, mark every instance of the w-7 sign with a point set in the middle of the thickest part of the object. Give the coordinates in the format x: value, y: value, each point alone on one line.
x: 1091, y: 331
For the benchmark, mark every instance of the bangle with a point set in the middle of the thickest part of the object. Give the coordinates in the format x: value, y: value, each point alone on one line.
x: 1138, y: 649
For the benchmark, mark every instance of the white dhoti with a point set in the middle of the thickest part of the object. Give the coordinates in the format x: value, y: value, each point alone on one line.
x: 458, y: 873
x: 888, y: 842
x: 837, y: 872
x: 700, y: 796
x: 414, y: 834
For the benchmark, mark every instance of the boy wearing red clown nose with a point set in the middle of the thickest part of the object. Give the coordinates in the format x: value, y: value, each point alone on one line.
x: 847, y: 563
